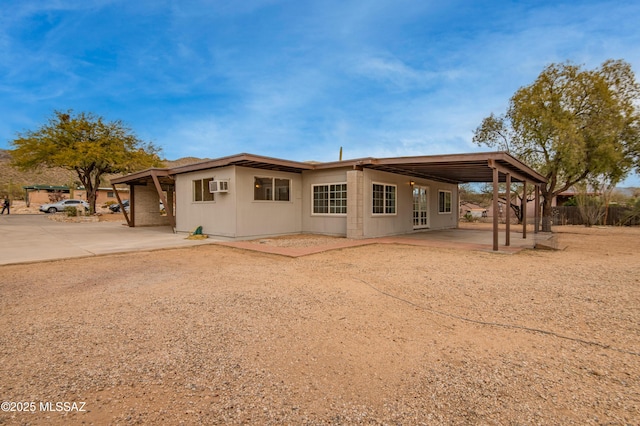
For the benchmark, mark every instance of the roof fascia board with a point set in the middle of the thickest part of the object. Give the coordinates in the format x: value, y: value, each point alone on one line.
x: 232, y: 160
x: 535, y: 177
x: 516, y: 168
x: 140, y: 175
x: 493, y: 164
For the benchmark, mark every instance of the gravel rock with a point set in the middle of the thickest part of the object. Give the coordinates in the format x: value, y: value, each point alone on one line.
x: 375, y: 335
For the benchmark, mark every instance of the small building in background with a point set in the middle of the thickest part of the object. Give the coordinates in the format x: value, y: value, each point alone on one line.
x: 43, y: 194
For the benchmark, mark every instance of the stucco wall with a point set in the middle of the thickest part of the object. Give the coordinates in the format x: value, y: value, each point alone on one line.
x: 327, y: 224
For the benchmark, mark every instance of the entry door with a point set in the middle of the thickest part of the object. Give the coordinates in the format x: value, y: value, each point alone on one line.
x: 420, y: 207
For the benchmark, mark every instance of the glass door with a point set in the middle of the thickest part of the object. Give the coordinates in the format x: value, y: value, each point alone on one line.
x: 420, y: 207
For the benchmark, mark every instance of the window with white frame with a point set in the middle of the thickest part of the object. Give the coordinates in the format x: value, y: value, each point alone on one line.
x: 384, y: 198
x: 330, y: 198
x: 271, y: 189
x: 444, y: 201
x: 201, y: 190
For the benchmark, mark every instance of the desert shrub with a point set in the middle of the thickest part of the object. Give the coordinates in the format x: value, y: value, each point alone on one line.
x: 56, y: 196
x: 71, y: 211
x: 468, y: 217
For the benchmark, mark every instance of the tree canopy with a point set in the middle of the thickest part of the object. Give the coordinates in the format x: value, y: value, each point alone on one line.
x: 571, y: 125
x: 86, y: 144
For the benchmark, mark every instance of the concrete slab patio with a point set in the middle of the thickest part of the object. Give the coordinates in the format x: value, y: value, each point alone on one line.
x: 478, y: 238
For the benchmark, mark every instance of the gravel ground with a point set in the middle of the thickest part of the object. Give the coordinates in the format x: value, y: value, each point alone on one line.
x: 379, y: 334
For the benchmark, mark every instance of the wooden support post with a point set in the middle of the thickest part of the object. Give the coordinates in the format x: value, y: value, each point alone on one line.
x: 126, y: 216
x: 496, y: 208
x: 169, y: 210
x: 536, y: 211
x: 507, y: 237
x: 524, y: 211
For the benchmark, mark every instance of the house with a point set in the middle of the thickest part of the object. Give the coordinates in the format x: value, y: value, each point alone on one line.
x: 472, y: 210
x: 249, y: 196
x: 42, y: 194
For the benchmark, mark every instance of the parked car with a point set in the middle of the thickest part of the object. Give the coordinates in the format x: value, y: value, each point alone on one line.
x: 116, y: 207
x: 62, y: 204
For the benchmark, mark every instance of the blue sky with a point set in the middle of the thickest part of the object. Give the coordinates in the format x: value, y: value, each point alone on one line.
x: 295, y: 79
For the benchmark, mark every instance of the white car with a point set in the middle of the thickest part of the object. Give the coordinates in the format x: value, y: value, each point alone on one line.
x: 62, y: 204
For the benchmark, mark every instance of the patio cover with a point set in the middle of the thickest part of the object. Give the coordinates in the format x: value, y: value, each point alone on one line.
x: 492, y: 167
x: 451, y: 168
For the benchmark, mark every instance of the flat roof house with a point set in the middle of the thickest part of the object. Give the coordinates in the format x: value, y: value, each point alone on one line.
x: 248, y: 196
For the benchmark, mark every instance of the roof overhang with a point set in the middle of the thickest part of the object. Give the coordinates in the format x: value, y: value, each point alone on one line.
x: 143, y: 177
x: 452, y: 168
x: 247, y: 160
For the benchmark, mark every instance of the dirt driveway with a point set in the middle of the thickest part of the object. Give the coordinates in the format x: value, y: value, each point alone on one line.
x: 379, y: 334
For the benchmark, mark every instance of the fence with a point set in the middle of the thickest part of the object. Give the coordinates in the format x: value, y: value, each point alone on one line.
x: 616, y: 215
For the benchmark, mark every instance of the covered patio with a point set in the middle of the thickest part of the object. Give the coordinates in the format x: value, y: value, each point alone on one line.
x: 487, y: 167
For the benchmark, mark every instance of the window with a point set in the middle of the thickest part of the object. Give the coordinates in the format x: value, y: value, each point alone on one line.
x: 384, y: 199
x: 201, y: 190
x: 271, y: 189
x: 444, y: 201
x: 330, y: 199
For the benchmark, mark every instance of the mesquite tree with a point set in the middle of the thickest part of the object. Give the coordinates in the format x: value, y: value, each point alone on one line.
x: 86, y: 144
x: 571, y: 125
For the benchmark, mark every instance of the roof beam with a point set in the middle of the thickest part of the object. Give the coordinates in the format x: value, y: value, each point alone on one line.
x: 506, y: 171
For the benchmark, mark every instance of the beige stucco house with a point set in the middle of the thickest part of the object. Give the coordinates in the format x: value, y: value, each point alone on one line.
x: 249, y: 196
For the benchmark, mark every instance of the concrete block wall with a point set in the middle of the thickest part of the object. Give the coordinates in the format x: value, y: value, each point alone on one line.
x: 147, y: 207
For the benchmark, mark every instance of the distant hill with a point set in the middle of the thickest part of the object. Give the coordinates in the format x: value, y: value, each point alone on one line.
x: 14, y: 179
x: 11, y: 176
x: 182, y: 161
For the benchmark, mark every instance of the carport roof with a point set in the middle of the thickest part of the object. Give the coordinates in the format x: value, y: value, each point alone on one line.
x: 141, y: 178
x: 453, y: 168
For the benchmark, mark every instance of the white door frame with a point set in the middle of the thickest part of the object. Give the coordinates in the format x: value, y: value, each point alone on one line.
x: 420, y: 210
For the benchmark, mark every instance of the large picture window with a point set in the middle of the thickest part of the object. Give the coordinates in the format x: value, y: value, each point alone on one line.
x: 271, y: 189
x: 330, y: 198
x: 444, y: 201
x: 201, y: 190
x: 384, y: 199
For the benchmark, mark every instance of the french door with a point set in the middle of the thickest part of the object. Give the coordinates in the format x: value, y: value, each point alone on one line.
x: 420, y: 207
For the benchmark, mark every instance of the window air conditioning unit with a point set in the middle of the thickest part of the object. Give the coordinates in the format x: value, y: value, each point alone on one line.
x: 218, y: 186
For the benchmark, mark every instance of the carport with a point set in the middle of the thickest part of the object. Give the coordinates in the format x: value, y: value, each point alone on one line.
x: 146, y: 189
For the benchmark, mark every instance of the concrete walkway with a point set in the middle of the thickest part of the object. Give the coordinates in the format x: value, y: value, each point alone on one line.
x: 35, y: 238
